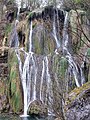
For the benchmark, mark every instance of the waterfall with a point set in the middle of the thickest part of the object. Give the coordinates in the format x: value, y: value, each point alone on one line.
x: 55, y: 32
x: 65, y: 49
x: 14, y: 40
x: 32, y: 74
x: 28, y: 73
x: 18, y: 2
x: 34, y: 80
x: 78, y: 75
x: 24, y: 81
x: 30, y: 38
x: 41, y: 84
x: 24, y: 70
x: 49, y: 88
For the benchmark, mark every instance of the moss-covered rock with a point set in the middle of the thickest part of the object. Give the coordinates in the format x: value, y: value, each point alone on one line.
x: 43, y: 42
x: 15, y: 90
x: 78, y: 103
x: 4, y: 102
x: 78, y: 20
x: 37, y: 108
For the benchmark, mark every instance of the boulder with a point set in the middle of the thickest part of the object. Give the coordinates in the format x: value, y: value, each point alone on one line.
x: 37, y: 108
x: 4, y: 104
x: 78, y: 104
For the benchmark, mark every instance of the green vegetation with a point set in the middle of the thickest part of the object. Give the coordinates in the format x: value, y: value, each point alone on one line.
x: 15, y: 94
x: 77, y: 91
x: 30, y: 14
x: 8, y: 28
x: 63, y: 66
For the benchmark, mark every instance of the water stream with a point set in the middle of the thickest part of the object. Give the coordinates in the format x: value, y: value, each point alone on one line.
x: 29, y: 67
x: 55, y: 32
x: 78, y: 75
x: 26, y: 72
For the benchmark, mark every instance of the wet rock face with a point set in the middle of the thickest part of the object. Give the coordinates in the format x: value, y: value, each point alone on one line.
x: 3, y: 56
x: 10, y: 16
x: 79, y: 109
x: 15, y: 90
x: 37, y: 108
x: 47, y: 12
x: 4, y: 102
x: 4, y: 105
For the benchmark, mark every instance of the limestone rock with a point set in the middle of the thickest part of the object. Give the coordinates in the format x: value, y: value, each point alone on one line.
x: 78, y: 104
x: 4, y: 105
x: 15, y: 89
x: 37, y: 108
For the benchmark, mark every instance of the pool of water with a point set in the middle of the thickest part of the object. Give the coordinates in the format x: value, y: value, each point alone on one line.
x: 15, y: 117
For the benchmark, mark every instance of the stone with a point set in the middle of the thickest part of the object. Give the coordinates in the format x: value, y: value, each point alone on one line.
x: 37, y: 108
x: 15, y: 89
x: 78, y: 105
x: 4, y: 104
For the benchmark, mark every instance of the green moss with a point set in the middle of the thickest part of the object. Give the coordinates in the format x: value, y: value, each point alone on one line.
x: 16, y: 101
x: 56, y: 60
x: 15, y: 94
x: 37, y: 46
x: 34, y: 25
x: 8, y: 29
x: 74, y: 93
x: 63, y: 66
x: 13, y: 87
x: 13, y: 74
x: 77, y: 1
x: 2, y: 88
x: 30, y: 14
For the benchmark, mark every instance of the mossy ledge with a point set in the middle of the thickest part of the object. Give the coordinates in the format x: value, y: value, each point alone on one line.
x: 78, y: 93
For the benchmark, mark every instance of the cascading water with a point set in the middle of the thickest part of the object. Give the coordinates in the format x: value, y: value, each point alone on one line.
x: 54, y: 32
x: 49, y: 86
x: 14, y: 40
x: 18, y: 2
x: 29, y: 68
x: 30, y: 38
x: 41, y: 84
x: 78, y: 75
x: 23, y: 72
x: 26, y: 74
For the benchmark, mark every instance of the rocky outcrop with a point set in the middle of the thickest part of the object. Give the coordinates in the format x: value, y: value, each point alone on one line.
x: 37, y: 108
x: 4, y: 104
x: 14, y: 89
x: 78, y: 104
x: 45, y: 13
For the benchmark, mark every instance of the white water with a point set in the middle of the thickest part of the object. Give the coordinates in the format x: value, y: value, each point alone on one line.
x: 24, y: 83
x: 14, y: 32
x: 54, y: 33
x: 26, y: 73
x: 65, y: 49
x: 41, y: 84
x: 28, y: 70
x: 34, y: 80
x: 30, y: 38
x: 23, y: 72
x: 49, y: 87
x: 69, y: 57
